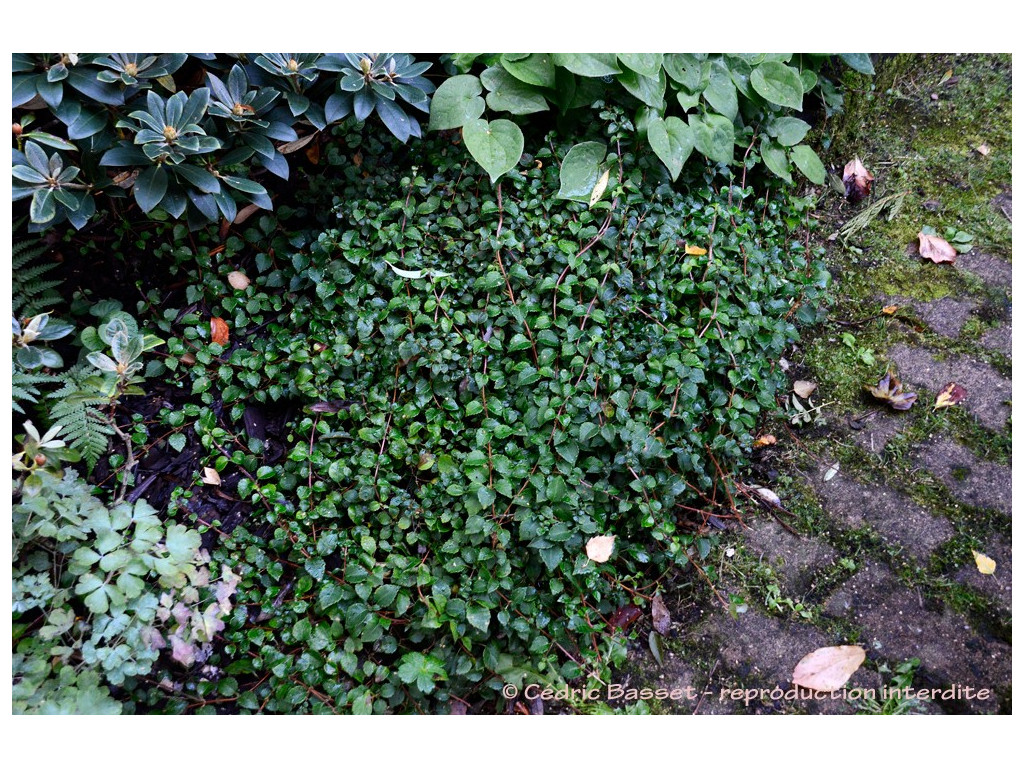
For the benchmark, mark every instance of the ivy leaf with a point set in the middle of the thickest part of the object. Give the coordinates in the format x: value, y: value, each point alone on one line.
x: 496, y: 145
x: 779, y: 84
x: 456, y: 102
x: 672, y: 141
x: 422, y: 670
x: 810, y: 165
x: 479, y: 616
x: 580, y: 171
x: 714, y: 137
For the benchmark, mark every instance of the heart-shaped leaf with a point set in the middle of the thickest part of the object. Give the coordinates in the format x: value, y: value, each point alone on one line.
x: 496, y: 145
x: 672, y: 141
x: 456, y: 102
x: 581, y: 170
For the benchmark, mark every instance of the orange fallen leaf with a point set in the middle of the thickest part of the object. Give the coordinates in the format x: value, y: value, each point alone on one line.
x: 696, y: 250
x: 891, y: 309
x: 986, y: 564
x: 936, y: 249
x: 953, y: 394
x: 599, y: 548
x: 828, y: 669
x: 765, y: 440
x: 857, y: 179
x: 219, y: 331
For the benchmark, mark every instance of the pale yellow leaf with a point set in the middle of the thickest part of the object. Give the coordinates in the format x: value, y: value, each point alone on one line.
x: 211, y: 476
x: 828, y: 669
x: 238, y: 280
x: 695, y: 250
x: 599, y: 188
x: 599, y: 548
x: 986, y: 564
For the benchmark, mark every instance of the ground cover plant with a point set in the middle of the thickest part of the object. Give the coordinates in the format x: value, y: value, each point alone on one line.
x: 348, y: 455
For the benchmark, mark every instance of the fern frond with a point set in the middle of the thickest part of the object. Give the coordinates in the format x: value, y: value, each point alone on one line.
x: 31, y: 294
x: 24, y: 389
x: 78, y: 408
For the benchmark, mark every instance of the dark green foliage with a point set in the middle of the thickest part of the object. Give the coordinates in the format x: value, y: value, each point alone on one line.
x: 31, y: 294
x: 486, y: 379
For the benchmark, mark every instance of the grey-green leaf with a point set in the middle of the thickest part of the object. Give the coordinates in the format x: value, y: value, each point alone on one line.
x: 672, y: 141
x: 714, y: 137
x: 779, y: 84
x: 721, y: 93
x: 508, y: 94
x: 860, y: 62
x: 775, y: 158
x: 807, y: 160
x: 588, y: 64
x: 646, y: 64
x: 580, y: 170
x: 533, y: 69
x: 456, y: 102
x: 496, y: 145
x: 789, y: 130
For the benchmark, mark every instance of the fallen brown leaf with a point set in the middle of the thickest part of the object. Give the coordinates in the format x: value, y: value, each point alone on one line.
x: 891, y: 391
x: 857, y: 179
x: 953, y: 394
x: 765, y: 440
x: 625, y: 616
x: 219, y: 331
x: 804, y: 389
x: 660, y: 616
x: 828, y: 669
x: 599, y: 548
x: 936, y: 249
x: 891, y: 309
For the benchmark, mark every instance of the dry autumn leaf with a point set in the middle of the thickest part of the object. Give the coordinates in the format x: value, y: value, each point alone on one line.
x: 857, y: 180
x: 211, y: 476
x: 695, y: 250
x: 828, y: 669
x: 934, y: 248
x: 890, y: 309
x: 768, y: 495
x: 891, y: 391
x: 804, y: 389
x: 765, y: 440
x: 599, y: 548
x: 238, y: 280
x: 219, y: 331
x: 983, y: 150
x: 986, y: 564
x: 953, y: 394
x: 660, y: 616
x: 625, y: 616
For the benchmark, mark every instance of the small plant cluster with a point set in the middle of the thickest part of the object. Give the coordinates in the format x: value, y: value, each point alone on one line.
x: 482, y: 380
x: 679, y: 102
x: 184, y: 135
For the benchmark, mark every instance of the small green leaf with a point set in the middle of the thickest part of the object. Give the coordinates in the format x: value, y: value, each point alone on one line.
x: 177, y: 441
x: 479, y: 616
